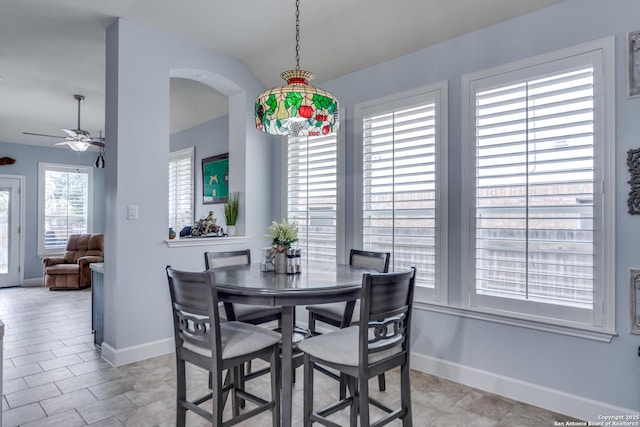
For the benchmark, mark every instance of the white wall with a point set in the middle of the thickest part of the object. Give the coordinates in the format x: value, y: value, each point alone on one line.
x: 571, y: 375
x: 139, y: 64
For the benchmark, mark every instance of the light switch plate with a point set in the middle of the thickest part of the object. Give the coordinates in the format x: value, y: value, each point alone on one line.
x: 132, y: 212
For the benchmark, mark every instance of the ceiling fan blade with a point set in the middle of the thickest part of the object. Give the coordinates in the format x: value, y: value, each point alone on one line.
x: 41, y: 134
x: 78, y: 139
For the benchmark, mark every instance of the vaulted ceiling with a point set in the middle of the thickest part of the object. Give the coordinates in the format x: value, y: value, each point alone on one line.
x: 53, y: 49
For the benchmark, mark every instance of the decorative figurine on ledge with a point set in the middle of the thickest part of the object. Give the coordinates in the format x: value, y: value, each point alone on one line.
x: 205, y: 226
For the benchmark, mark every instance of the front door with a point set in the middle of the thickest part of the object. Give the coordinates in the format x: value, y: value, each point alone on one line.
x: 10, y: 217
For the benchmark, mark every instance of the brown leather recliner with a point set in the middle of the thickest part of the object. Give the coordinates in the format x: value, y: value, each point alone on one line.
x: 72, y: 271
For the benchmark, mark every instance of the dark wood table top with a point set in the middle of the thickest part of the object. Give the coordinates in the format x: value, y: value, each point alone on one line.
x: 317, y: 283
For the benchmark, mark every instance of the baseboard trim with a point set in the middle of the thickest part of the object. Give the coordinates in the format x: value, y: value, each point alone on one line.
x: 119, y: 357
x: 553, y: 400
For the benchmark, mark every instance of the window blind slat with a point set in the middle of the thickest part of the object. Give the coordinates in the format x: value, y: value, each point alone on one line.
x: 534, y: 184
x: 312, y: 194
x: 181, y: 189
x: 398, y: 162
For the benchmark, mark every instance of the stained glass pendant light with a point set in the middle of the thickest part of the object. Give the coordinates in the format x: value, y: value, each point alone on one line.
x: 297, y: 109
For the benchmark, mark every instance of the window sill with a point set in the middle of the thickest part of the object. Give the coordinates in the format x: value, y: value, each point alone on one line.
x: 574, y: 331
x: 206, y: 241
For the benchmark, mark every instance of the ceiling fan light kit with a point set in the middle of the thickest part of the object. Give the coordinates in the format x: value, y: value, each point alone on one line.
x: 296, y: 109
x: 76, y: 145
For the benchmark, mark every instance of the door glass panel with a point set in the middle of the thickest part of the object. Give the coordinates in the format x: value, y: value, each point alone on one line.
x: 5, y: 197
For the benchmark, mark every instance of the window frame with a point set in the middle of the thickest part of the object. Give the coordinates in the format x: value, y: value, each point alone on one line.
x: 602, y: 319
x: 186, y: 153
x: 43, y: 167
x: 418, y: 96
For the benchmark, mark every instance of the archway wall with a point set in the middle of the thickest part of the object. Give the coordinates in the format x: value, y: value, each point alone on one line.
x: 140, y: 62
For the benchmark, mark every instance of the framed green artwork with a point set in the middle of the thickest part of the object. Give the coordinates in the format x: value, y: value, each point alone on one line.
x: 215, y: 179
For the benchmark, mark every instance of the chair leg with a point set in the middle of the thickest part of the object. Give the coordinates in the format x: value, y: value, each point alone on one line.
x: 382, y: 384
x: 308, y: 390
x: 275, y: 386
x: 363, y: 401
x: 226, y: 382
x: 312, y: 323
x: 240, y: 380
x: 218, y: 399
x: 235, y: 400
x: 353, y: 414
x: 405, y: 394
x: 343, y: 386
x: 181, y: 393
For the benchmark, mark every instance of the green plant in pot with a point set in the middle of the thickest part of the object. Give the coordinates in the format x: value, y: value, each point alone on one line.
x: 231, y: 212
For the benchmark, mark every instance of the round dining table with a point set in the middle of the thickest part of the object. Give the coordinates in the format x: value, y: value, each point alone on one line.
x: 317, y: 283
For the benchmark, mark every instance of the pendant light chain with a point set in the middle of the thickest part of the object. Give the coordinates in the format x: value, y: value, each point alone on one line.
x: 297, y: 108
x: 297, y: 34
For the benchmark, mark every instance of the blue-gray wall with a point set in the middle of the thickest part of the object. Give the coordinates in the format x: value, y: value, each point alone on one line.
x: 498, y: 357
x: 208, y: 139
x: 27, y: 158
x: 502, y: 358
x: 139, y: 64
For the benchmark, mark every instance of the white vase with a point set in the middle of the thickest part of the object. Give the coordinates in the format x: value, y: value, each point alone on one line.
x: 231, y: 230
x: 281, y: 262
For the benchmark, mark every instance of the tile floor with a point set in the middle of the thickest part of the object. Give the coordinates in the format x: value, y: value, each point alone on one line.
x: 53, y: 376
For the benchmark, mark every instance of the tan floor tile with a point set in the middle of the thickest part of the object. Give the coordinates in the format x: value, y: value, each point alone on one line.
x: 104, y: 409
x: 143, y: 394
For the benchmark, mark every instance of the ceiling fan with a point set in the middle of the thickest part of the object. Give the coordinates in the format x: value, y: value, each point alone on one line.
x: 78, y: 139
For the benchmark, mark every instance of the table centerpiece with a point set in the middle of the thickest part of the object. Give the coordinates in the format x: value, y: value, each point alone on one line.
x: 282, y: 235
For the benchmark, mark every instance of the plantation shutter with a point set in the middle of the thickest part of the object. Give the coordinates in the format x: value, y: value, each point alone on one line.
x: 312, y: 194
x: 399, y: 187
x: 181, y: 189
x: 534, y: 187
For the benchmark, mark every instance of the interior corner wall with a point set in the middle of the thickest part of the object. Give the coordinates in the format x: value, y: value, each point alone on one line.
x: 140, y: 61
x: 570, y: 375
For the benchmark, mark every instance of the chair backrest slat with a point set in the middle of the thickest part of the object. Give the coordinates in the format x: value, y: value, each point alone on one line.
x: 385, y: 308
x: 223, y: 259
x: 195, y: 308
x: 370, y: 260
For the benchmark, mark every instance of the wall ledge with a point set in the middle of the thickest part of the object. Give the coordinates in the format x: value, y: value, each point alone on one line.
x: 206, y: 241
x: 595, y: 334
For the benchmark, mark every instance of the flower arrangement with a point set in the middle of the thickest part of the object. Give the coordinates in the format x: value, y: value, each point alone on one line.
x: 282, y: 235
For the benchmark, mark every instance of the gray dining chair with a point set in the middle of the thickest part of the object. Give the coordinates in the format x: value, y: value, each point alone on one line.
x: 202, y: 340
x: 336, y: 314
x: 383, y: 343
x: 254, y: 314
